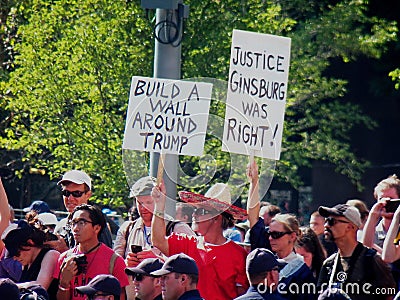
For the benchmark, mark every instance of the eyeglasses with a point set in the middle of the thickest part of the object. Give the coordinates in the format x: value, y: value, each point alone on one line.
x: 278, y: 234
x: 332, y: 221
x: 202, y: 211
x: 79, y: 222
x: 76, y: 194
x: 138, y: 277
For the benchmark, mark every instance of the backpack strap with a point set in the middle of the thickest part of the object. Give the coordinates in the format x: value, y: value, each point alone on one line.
x: 112, y: 263
x: 170, y: 227
x: 128, y: 230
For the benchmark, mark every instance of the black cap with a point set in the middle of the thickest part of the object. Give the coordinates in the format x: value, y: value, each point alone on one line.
x: 147, y: 266
x: 17, y: 238
x: 107, y: 284
x: 178, y: 263
x: 262, y: 260
x: 8, y: 289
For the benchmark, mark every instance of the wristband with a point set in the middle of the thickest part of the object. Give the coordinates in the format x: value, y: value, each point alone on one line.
x: 63, y: 288
x: 159, y: 213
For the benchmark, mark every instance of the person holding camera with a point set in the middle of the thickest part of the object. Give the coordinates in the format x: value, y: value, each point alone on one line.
x: 77, y: 266
x: 381, y: 212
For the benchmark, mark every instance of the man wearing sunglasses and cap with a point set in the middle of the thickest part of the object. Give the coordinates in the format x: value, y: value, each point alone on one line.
x: 354, y: 265
x: 101, y: 287
x: 76, y: 189
x: 221, y: 262
x: 147, y: 286
x: 179, y: 277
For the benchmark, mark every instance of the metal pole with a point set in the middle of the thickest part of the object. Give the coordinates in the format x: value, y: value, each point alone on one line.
x: 167, y: 64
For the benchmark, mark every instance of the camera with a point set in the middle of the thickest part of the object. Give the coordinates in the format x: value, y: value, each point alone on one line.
x: 392, y: 205
x: 81, y: 263
x: 50, y: 236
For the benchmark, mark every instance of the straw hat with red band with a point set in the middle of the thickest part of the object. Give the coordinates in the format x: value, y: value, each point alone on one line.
x: 217, y: 197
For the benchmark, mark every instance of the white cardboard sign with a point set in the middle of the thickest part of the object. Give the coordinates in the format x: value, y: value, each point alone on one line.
x: 167, y: 116
x: 256, y: 98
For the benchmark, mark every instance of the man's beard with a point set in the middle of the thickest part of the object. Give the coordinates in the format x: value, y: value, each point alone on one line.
x: 328, y: 235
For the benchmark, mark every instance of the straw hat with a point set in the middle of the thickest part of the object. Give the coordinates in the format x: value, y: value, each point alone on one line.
x: 217, y: 197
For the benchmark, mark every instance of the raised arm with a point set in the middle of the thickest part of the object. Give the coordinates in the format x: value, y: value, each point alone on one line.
x: 4, y: 213
x: 369, y: 228
x: 253, y: 201
x: 390, y: 251
x: 158, y: 233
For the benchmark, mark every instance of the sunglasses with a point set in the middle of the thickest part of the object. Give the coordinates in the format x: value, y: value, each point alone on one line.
x: 97, y: 296
x: 202, y: 212
x: 332, y: 221
x: 138, y: 277
x: 277, y: 234
x: 76, y: 194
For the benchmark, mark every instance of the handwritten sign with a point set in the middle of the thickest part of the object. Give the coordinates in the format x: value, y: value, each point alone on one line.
x: 256, y: 98
x: 167, y: 116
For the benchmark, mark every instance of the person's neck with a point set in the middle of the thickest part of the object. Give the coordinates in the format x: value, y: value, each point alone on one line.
x: 88, y: 246
x: 284, y: 253
x: 346, y: 246
x: 386, y: 223
x: 215, y: 238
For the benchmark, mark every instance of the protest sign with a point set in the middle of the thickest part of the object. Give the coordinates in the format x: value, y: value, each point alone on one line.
x: 256, y: 98
x: 167, y: 116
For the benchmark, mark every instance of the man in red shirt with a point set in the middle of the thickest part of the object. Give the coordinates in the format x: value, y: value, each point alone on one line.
x: 221, y: 262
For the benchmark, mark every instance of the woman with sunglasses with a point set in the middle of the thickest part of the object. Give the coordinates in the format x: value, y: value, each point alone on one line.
x: 281, y: 235
x: 26, y: 245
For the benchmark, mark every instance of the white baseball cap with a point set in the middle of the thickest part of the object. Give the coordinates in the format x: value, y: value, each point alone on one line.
x: 78, y: 177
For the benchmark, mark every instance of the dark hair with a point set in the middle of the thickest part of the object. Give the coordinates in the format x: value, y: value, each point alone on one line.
x: 309, y: 240
x: 95, y: 214
x: 186, y: 209
x: 227, y: 220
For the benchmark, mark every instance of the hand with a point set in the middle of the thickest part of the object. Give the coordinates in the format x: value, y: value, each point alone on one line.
x: 158, y: 194
x: 252, y: 172
x: 132, y: 260
x: 60, y: 245
x: 68, y: 271
x: 146, y: 254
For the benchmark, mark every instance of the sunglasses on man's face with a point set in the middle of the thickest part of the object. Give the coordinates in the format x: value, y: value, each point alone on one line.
x: 332, y: 221
x: 277, y: 234
x: 138, y: 277
x: 202, y: 211
x: 76, y: 194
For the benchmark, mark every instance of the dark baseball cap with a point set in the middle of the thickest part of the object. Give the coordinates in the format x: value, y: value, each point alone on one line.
x: 143, y: 186
x: 262, y: 260
x: 178, y: 263
x: 8, y: 289
x: 146, y: 266
x: 105, y: 283
x: 39, y: 206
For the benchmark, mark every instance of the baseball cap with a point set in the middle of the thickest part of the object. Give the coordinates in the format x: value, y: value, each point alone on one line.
x: 146, y: 266
x: 143, y: 186
x: 178, y: 263
x: 105, y: 283
x: 349, y: 212
x: 262, y: 260
x: 48, y: 218
x: 76, y: 176
x: 39, y: 206
x: 8, y: 289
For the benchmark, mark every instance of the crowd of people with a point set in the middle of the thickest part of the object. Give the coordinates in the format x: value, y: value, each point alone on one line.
x: 212, y: 249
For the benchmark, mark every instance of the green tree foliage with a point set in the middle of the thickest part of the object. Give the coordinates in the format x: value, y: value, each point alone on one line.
x: 67, y: 97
